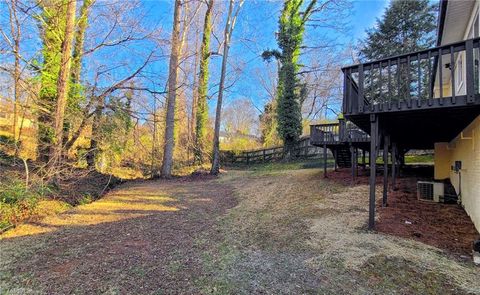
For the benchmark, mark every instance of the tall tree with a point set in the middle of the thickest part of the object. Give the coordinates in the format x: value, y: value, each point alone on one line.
x: 63, y: 79
x: 169, y: 142
x: 289, y: 90
x: 15, y: 32
x: 202, y: 105
x: 406, y: 26
x: 229, y: 26
x: 52, y: 26
x: 76, y: 69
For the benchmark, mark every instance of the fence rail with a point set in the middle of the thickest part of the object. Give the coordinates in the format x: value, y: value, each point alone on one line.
x: 302, y: 150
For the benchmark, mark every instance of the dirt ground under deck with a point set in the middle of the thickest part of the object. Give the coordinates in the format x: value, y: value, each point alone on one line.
x: 446, y: 226
x: 268, y: 231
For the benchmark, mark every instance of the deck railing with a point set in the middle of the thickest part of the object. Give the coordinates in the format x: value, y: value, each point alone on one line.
x: 438, y: 77
x: 337, y: 133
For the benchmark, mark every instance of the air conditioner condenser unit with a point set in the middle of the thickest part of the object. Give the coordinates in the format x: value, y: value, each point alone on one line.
x: 430, y: 191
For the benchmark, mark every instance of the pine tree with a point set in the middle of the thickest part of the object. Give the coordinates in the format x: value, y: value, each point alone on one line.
x: 406, y: 26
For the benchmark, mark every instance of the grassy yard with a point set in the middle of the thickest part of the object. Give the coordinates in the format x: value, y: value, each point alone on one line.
x: 275, y: 229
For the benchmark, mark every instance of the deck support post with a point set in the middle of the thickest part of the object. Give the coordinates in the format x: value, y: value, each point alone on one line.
x: 352, y: 160
x: 386, y: 144
x: 335, y: 159
x: 356, y: 162
x: 363, y: 160
x: 373, y: 169
x: 394, y: 166
x: 325, y: 160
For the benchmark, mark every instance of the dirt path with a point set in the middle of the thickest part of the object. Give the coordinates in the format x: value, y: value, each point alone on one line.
x: 140, y: 239
x: 248, y: 232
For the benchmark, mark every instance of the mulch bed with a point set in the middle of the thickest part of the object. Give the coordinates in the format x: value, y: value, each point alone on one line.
x: 446, y: 226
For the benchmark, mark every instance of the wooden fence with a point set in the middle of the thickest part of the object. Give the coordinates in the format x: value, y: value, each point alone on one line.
x: 302, y: 150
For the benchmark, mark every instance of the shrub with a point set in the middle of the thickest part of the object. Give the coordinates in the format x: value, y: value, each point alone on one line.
x: 17, y: 202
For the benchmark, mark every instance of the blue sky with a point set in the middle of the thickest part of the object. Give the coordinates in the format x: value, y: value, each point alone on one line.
x: 258, y: 22
x: 255, y: 32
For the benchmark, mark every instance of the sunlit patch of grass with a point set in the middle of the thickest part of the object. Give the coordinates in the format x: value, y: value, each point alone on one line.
x: 384, y: 274
x: 126, y: 173
x: 188, y: 170
x: 276, y: 167
x: 424, y: 159
x: 109, y: 209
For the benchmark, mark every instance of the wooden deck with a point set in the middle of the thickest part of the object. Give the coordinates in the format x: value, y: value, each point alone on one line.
x: 411, y: 81
x: 412, y: 101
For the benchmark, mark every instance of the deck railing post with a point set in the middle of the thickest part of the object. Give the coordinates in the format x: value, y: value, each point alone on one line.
x: 470, y: 82
x: 346, y: 92
x: 361, y: 93
x: 341, y: 130
x: 373, y: 168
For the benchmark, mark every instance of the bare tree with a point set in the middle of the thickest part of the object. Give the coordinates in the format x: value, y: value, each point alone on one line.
x: 229, y: 26
x: 172, y: 94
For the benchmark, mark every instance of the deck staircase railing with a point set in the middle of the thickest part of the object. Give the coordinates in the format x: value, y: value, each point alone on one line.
x: 443, y: 76
x: 337, y: 133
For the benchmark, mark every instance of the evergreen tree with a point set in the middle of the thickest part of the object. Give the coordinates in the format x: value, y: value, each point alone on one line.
x: 406, y: 26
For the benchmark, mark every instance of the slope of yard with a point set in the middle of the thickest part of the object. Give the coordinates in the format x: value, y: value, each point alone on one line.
x: 267, y: 231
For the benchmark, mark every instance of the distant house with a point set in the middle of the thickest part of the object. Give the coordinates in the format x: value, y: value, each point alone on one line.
x: 226, y: 137
x: 7, y: 120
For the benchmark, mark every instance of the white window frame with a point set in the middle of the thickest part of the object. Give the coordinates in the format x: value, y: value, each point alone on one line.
x: 459, y: 77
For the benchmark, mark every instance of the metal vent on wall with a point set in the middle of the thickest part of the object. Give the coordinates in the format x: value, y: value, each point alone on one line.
x: 425, y: 191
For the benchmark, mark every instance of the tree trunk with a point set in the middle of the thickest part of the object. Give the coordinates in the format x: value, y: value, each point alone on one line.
x: 172, y: 93
x: 97, y: 118
x: 79, y: 41
x: 75, y: 73
x: 16, y: 33
x: 63, y: 81
x: 218, y: 115
x: 202, y: 105
x: 193, y: 115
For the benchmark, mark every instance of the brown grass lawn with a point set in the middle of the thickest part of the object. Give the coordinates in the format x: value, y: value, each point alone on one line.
x: 269, y: 231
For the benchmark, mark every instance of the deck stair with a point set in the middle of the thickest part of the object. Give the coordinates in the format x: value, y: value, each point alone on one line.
x: 343, y: 156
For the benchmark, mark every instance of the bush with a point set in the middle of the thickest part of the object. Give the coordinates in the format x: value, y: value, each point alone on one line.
x: 17, y: 202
